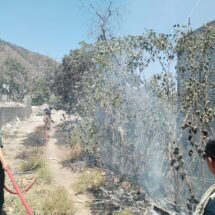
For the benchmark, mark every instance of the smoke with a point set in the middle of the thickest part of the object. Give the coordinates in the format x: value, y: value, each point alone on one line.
x: 135, y: 134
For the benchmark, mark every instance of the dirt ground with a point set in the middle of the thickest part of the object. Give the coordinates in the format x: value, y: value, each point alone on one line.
x: 22, y: 135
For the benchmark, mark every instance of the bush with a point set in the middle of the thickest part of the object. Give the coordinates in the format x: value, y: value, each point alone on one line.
x: 89, y: 179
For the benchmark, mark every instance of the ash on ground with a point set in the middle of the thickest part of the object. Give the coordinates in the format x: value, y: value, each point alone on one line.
x: 116, y: 196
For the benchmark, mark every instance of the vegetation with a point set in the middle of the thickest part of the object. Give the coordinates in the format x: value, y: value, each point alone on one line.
x: 48, y: 201
x: 126, y: 211
x: 58, y: 202
x: 33, y: 161
x: 23, y: 72
x: 142, y: 129
x: 67, y: 82
x: 129, y: 124
x: 45, y: 174
x: 90, y: 178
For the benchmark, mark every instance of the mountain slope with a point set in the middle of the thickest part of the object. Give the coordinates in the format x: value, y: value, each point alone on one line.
x: 37, y: 65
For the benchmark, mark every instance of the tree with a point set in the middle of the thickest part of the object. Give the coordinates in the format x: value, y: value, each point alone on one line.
x: 104, y: 19
x: 68, y: 79
x: 130, y: 125
x: 15, y: 77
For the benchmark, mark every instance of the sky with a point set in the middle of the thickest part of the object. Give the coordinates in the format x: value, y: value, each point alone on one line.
x: 54, y: 27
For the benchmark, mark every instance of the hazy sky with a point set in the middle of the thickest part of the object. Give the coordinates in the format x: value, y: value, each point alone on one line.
x: 54, y: 27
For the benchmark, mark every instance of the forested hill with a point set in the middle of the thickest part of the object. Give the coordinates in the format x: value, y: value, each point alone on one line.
x: 32, y: 62
x: 23, y: 71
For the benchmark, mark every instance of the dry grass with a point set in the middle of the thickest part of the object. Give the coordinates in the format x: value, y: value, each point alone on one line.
x: 34, y: 197
x: 126, y: 211
x: 58, y: 202
x: 90, y: 178
x: 45, y: 174
x: 36, y: 138
x: 33, y: 161
x: 46, y: 201
x: 76, y: 152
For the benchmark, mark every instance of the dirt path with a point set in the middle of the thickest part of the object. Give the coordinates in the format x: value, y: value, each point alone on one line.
x: 16, y: 134
x: 54, y: 154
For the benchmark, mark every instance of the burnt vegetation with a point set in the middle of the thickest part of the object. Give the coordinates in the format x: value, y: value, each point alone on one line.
x: 143, y: 131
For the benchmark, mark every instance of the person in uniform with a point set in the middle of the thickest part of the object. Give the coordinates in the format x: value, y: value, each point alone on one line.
x: 3, y: 166
x: 207, y: 202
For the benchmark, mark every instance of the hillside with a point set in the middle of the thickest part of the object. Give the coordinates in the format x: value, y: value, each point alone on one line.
x: 22, y: 72
x: 34, y: 63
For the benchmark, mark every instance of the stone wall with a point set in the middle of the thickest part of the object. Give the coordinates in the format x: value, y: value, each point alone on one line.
x: 8, y: 114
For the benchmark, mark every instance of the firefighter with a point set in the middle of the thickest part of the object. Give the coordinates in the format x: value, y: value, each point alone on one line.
x: 207, y: 203
x: 47, y: 117
x: 3, y: 166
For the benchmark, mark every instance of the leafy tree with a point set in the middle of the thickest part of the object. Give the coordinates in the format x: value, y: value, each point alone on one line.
x: 68, y: 79
x: 15, y: 81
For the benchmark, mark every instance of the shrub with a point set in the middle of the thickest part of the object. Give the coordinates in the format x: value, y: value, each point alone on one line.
x: 89, y: 179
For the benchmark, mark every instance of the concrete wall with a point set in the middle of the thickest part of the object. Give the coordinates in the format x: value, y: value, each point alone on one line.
x: 8, y: 114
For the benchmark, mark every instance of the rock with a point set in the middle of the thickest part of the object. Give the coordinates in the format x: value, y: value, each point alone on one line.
x: 116, y: 180
x: 126, y: 185
x: 8, y: 126
x: 17, y: 119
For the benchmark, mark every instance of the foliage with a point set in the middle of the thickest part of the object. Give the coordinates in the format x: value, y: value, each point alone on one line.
x: 67, y: 80
x: 130, y: 125
x: 196, y: 68
x: 23, y: 72
x: 40, y: 92
x: 163, y: 85
x: 14, y: 79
